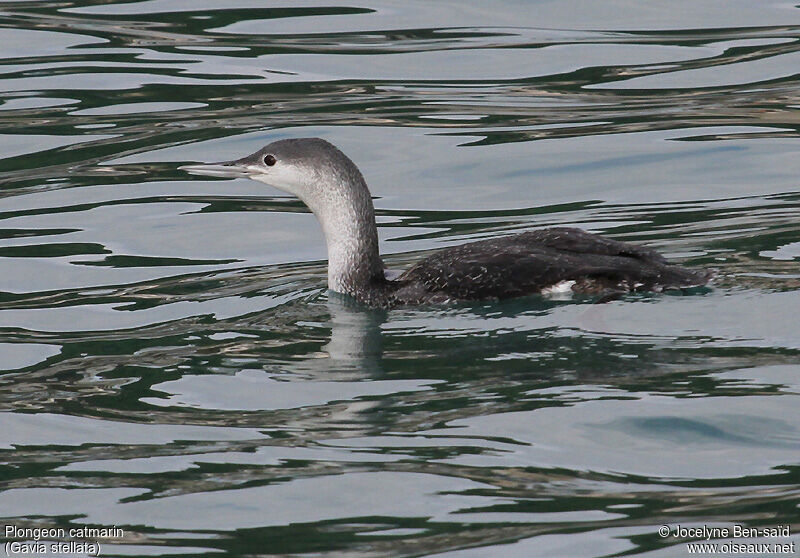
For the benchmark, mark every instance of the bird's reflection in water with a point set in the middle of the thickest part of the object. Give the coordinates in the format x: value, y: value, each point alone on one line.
x: 348, y: 367
x: 356, y: 339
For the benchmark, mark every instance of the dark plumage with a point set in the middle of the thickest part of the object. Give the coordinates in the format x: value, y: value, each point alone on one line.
x: 331, y: 185
x: 534, y: 261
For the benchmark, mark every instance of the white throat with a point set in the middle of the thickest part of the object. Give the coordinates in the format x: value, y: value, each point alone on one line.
x: 343, y: 206
x: 352, y: 241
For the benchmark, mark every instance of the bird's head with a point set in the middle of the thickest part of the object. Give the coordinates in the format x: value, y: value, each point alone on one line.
x: 304, y: 167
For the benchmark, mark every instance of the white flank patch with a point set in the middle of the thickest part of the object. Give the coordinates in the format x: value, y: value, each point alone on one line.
x: 562, y: 289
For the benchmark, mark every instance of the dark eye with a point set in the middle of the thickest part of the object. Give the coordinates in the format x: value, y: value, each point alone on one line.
x: 270, y: 160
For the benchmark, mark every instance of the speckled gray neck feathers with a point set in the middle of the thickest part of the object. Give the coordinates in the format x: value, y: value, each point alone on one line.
x: 338, y: 195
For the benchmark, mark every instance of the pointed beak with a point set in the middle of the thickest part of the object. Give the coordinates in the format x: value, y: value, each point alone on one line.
x: 226, y: 169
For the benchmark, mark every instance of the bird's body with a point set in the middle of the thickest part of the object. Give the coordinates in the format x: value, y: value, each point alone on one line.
x: 534, y: 262
x: 541, y: 261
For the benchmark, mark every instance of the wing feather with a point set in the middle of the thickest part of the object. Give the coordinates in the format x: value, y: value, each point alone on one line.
x: 529, y: 262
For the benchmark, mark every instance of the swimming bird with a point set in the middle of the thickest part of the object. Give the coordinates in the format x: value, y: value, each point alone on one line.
x: 542, y: 261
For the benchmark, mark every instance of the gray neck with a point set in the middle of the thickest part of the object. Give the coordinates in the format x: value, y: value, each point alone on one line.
x: 343, y: 206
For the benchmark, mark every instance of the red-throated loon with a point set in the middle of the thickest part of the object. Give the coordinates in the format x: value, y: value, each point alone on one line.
x: 537, y: 261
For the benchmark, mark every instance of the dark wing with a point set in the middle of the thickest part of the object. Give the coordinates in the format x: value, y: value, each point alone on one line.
x: 579, y: 241
x: 529, y: 262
